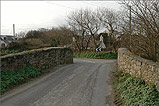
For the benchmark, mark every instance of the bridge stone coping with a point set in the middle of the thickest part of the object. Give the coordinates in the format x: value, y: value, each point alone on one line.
x: 44, y: 57
x: 138, y: 67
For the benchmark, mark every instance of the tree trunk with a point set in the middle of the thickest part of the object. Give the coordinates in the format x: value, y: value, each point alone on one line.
x: 94, y: 41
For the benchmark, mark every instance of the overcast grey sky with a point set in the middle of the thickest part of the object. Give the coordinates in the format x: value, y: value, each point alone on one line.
x: 29, y: 15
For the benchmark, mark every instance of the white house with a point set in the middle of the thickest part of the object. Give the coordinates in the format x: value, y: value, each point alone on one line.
x: 6, y: 39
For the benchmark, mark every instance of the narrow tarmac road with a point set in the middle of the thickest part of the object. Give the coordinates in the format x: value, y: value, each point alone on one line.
x: 84, y: 83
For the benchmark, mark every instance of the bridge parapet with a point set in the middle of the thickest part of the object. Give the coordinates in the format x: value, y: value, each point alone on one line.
x: 45, y: 57
x: 138, y: 67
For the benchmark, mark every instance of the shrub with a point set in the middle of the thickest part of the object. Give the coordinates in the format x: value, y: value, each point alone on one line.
x: 53, y: 43
x: 14, y: 45
x: 97, y: 55
x: 134, y: 91
x: 34, y: 34
x: 11, y: 79
x: 32, y: 43
x: 7, y: 51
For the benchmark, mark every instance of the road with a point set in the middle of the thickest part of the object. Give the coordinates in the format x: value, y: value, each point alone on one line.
x: 84, y: 83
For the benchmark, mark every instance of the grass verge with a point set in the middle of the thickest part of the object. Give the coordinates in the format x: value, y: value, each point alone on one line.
x: 11, y: 79
x: 132, y: 91
x: 96, y: 55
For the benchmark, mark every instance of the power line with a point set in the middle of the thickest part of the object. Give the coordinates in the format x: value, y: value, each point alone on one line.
x: 61, y: 5
x: 89, y: 3
x: 99, y: 3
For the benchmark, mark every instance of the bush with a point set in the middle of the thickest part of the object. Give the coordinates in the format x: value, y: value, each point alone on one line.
x: 134, y: 92
x: 11, y: 79
x: 14, y: 45
x: 53, y: 43
x: 7, y: 51
x: 97, y: 55
x: 32, y: 43
x: 34, y: 34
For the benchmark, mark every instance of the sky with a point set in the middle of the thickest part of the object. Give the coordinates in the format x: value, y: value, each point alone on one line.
x: 32, y: 15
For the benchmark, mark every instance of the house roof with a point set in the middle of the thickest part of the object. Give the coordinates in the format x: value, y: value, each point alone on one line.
x: 7, y: 38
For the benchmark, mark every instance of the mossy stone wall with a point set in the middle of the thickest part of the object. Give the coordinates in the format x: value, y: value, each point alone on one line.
x: 46, y: 57
x: 138, y: 67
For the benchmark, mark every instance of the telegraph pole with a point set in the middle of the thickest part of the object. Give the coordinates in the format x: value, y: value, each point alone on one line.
x: 130, y: 31
x: 130, y: 19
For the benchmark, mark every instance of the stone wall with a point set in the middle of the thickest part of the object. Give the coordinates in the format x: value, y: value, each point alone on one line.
x: 138, y: 67
x: 46, y: 57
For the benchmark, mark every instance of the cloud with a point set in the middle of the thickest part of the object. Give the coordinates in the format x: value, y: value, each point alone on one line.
x: 36, y: 14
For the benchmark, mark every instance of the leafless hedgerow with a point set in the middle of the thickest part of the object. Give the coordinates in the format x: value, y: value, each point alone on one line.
x: 143, y: 30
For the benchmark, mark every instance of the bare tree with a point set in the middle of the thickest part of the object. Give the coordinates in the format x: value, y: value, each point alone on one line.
x: 75, y: 22
x: 145, y: 27
x: 110, y: 19
x: 60, y: 36
x: 84, y: 22
x: 21, y: 34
